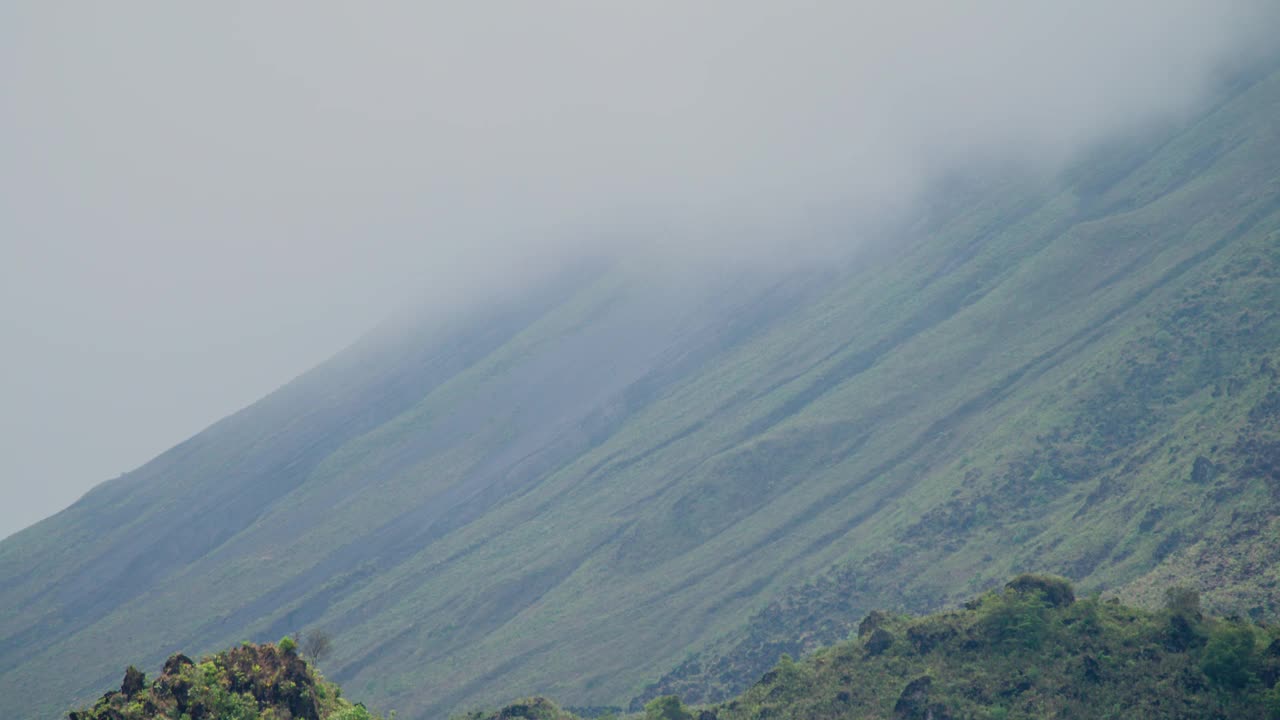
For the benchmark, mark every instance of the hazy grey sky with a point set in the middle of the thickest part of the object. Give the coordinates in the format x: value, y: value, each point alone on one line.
x: 200, y: 200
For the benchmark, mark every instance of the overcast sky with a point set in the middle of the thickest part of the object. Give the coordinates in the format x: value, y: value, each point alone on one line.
x: 198, y: 201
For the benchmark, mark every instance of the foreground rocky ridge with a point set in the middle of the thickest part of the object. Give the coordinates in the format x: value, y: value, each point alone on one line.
x: 250, y: 682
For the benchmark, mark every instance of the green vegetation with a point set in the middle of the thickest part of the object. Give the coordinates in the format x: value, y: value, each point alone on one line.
x: 250, y: 682
x: 1020, y: 653
x: 1027, y: 651
x: 612, y: 489
x: 1230, y: 657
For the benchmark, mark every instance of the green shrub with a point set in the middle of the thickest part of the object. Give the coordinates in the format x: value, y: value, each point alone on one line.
x: 1015, y: 619
x: 1229, y: 656
x: 1272, y: 702
x: 355, y: 712
x: 287, y: 645
x: 1056, y: 591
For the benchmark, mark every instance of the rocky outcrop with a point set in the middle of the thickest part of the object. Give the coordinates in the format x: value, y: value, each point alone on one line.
x: 266, y: 677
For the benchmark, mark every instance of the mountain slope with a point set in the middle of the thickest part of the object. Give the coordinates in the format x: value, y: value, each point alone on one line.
x: 1145, y: 456
x: 576, y: 492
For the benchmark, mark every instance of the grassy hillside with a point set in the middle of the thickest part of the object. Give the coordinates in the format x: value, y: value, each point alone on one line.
x: 614, y: 477
x: 1137, y: 450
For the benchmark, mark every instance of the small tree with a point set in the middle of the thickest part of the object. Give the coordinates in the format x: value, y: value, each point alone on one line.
x: 316, y: 644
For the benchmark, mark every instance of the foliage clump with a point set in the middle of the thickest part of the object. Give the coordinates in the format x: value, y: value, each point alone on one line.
x: 1228, y: 659
x: 1054, y: 590
x: 250, y: 682
x: 1013, y: 619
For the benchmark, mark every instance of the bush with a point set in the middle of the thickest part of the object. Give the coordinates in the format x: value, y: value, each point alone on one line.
x: 355, y: 712
x: 287, y: 645
x: 1057, y: 591
x: 1272, y: 701
x: 1016, y: 619
x: 1229, y: 656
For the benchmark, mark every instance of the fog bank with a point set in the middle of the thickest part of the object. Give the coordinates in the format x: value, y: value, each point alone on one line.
x: 198, y: 202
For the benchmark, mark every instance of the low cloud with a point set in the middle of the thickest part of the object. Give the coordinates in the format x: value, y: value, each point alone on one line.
x: 200, y: 200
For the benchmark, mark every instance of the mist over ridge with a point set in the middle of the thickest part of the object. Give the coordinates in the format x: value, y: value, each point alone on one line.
x: 200, y: 203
